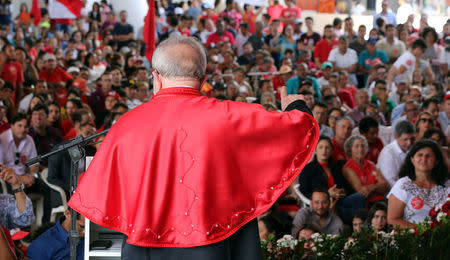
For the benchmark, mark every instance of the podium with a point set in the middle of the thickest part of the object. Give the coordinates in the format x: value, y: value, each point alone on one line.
x: 93, y: 232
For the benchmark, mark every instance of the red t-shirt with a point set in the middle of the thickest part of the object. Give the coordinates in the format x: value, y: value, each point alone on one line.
x: 289, y: 13
x: 185, y: 32
x: 277, y: 83
x: 374, y: 151
x: 215, y: 38
x: 13, y: 73
x: 275, y: 12
x: 249, y: 18
x: 213, y: 18
x: 367, y: 174
x: 58, y: 75
x: 3, y: 126
x: 71, y: 134
x: 346, y: 95
x: 338, y: 152
x: 66, y: 126
x: 233, y: 15
x: 323, y: 49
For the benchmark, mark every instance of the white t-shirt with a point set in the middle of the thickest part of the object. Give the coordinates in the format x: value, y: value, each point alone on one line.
x: 445, y: 58
x: 408, y: 60
x: 418, y: 201
x: 347, y: 60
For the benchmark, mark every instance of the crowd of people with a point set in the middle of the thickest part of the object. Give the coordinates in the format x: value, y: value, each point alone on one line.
x: 381, y: 99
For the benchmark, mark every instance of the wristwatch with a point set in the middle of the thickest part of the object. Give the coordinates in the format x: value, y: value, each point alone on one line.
x: 20, y: 189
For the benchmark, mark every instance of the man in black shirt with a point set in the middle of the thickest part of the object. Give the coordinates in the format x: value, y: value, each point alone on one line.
x: 123, y: 32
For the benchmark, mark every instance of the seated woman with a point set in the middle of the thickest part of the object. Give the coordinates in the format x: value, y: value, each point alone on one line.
x: 362, y: 174
x: 424, y: 184
x: 377, y: 219
x: 322, y: 173
x: 15, y: 210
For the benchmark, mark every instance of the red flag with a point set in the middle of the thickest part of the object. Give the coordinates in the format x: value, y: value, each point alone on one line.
x: 61, y: 9
x: 36, y: 12
x: 149, y: 30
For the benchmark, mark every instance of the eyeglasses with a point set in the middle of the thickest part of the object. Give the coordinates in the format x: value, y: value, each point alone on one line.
x: 16, y: 162
x: 424, y: 120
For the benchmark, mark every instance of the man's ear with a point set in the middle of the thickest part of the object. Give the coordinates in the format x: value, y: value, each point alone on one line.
x: 157, y: 84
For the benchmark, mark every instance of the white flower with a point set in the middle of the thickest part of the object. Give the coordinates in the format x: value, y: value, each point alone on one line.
x: 314, y: 249
x: 315, y: 236
x: 440, y: 216
x: 349, y: 243
x: 319, y: 254
x: 411, y: 230
x: 320, y: 239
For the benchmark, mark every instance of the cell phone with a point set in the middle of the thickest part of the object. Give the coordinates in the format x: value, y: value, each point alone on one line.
x: 101, y: 245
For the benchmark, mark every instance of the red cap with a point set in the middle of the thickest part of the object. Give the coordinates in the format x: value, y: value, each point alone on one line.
x: 18, y: 234
x: 113, y: 94
x: 446, y: 97
x: 81, y: 84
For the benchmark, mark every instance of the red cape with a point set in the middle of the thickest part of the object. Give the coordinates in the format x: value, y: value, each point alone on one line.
x: 183, y: 170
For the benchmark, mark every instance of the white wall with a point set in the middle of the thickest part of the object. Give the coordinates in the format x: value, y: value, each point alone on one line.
x: 137, y: 9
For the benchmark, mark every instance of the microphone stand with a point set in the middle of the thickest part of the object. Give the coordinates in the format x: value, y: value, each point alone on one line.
x: 75, y: 149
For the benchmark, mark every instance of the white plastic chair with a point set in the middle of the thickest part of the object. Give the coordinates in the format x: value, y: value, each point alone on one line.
x: 38, y: 203
x: 59, y: 209
x: 302, y: 197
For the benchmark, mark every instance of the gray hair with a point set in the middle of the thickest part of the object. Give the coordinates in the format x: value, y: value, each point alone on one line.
x: 412, y: 101
x: 404, y: 127
x: 351, y: 140
x: 180, y: 57
x: 265, y: 95
x: 362, y: 90
x: 345, y: 118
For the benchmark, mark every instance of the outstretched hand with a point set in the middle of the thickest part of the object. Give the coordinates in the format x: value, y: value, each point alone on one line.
x: 288, y: 99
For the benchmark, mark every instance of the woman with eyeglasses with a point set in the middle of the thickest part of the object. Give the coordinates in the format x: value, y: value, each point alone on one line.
x: 424, y: 184
x: 333, y: 116
x: 424, y: 122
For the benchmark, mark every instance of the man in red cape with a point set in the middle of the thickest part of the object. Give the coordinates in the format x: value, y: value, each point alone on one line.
x: 185, y: 176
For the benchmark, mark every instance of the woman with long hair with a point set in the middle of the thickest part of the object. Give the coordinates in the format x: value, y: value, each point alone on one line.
x: 423, y: 184
x: 424, y: 122
x: 323, y: 173
x: 377, y: 219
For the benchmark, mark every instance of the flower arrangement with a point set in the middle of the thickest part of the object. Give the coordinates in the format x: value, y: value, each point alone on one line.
x: 428, y: 240
x: 440, y: 213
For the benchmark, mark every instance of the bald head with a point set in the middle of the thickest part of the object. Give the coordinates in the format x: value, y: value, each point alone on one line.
x: 180, y: 57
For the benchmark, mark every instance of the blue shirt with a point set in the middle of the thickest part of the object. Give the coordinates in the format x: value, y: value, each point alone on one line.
x: 365, y: 59
x: 293, y: 83
x: 397, y: 112
x: 10, y: 216
x: 54, y: 244
x: 390, y: 18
